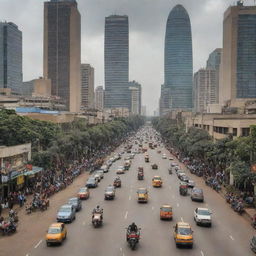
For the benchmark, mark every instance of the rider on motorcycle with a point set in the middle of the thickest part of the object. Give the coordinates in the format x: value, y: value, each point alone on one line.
x: 132, y: 228
x: 97, y: 210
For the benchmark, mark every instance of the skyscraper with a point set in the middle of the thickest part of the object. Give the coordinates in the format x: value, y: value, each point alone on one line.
x: 99, y: 97
x: 87, y: 86
x: 178, y: 63
x: 116, y: 61
x: 135, y: 97
x: 164, y: 102
x: 62, y: 50
x: 238, y: 62
x: 10, y: 57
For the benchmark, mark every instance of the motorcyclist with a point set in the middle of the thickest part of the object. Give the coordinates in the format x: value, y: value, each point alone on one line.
x: 133, y: 228
x: 99, y: 210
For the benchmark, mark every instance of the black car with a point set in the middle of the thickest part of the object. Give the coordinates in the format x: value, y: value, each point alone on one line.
x: 91, y: 183
x: 76, y: 202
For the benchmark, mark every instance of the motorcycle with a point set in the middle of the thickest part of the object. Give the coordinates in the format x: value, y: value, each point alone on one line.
x: 8, y: 228
x: 97, y: 220
x: 170, y: 170
x: 133, y: 238
x: 13, y: 216
x: 140, y: 176
x: 117, y: 183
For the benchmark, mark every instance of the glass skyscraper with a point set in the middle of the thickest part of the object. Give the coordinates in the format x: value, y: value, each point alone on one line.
x: 178, y: 63
x: 10, y: 57
x: 116, y: 62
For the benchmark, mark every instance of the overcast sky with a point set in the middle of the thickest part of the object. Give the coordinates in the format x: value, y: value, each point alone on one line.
x: 147, y: 22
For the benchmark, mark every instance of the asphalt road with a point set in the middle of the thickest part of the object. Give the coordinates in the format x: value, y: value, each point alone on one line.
x: 229, y: 235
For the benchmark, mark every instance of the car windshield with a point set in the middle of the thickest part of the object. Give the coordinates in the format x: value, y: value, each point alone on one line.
x: 203, y: 212
x: 65, y: 209
x: 54, y: 230
x: 184, y: 231
x: 142, y: 191
x: 198, y: 191
x: 109, y: 189
x: 157, y: 178
x: 72, y: 201
x: 91, y: 180
x: 166, y: 209
x: 82, y: 190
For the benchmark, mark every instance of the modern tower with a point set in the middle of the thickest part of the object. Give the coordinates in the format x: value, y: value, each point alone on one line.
x: 238, y: 62
x: 135, y: 97
x: 10, y: 57
x: 116, y: 62
x: 87, y: 86
x: 62, y: 50
x: 178, y: 63
x: 99, y: 97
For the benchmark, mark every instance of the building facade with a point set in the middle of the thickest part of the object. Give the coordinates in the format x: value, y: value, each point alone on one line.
x: 99, y: 97
x: 62, y: 50
x: 178, y: 63
x: 10, y: 57
x: 238, y: 62
x: 135, y: 97
x: 164, y: 102
x: 116, y: 62
x: 87, y: 86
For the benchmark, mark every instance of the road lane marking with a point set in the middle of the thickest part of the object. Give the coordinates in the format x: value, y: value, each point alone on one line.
x: 126, y: 214
x: 121, y: 249
x: 173, y: 196
x: 153, y: 208
x: 130, y: 197
x: 232, y: 238
x: 38, y: 244
x: 178, y: 205
x: 123, y: 254
x: 202, y: 253
x: 182, y: 219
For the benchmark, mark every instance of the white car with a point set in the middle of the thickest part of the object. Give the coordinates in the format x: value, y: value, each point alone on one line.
x: 164, y: 156
x: 203, y: 216
x: 100, y: 173
x: 171, y: 158
x: 191, y: 184
x: 104, y: 168
x: 173, y: 164
x: 97, y: 177
x: 120, y: 170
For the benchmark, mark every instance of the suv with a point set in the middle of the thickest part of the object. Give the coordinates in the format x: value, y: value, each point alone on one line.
x: 75, y: 201
x: 197, y: 194
x: 202, y: 216
x: 91, y: 183
x: 183, y: 234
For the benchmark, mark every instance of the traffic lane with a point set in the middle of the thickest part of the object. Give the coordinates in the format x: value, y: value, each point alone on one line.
x: 82, y: 237
x: 230, y: 231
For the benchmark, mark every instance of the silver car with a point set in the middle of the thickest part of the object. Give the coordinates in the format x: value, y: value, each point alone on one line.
x: 197, y: 195
x: 66, y: 213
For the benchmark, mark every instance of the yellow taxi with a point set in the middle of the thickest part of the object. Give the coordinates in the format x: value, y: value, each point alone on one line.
x: 166, y: 212
x: 157, y: 181
x: 56, y: 233
x: 142, y: 195
x: 183, y: 234
x: 83, y: 193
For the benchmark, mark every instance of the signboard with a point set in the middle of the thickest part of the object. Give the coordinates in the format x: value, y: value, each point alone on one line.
x: 20, y: 180
x: 5, y: 178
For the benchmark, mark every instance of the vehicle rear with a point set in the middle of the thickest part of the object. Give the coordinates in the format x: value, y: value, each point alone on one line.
x: 166, y: 212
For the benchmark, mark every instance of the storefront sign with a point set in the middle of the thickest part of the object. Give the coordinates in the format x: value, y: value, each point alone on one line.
x: 4, y: 178
x: 20, y: 180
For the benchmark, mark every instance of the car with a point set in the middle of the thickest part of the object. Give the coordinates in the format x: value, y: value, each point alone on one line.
x: 183, y: 234
x: 197, y: 194
x: 184, y: 178
x: 127, y: 165
x: 91, y: 183
x: 142, y: 195
x: 157, y: 181
x: 164, y: 156
x: 203, y: 216
x: 191, y: 184
x: 56, y: 233
x: 66, y: 213
x: 166, y: 212
x: 120, y: 170
x: 253, y: 244
x: 100, y: 173
x: 171, y: 158
x: 76, y: 202
x: 174, y: 164
x: 112, y: 159
x: 83, y: 193
x: 180, y: 174
x: 110, y: 192
x: 105, y: 168
x: 97, y: 177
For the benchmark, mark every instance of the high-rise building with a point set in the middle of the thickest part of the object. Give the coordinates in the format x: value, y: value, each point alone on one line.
x: 116, y: 61
x: 164, y: 102
x: 204, y: 89
x: 87, y: 86
x: 178, y: 63
x: 99, y: 97
x: 10, y: 57
x: 238, y: 62
x: 143, y: 110
x: 62, y: 50
x: 135, y: 97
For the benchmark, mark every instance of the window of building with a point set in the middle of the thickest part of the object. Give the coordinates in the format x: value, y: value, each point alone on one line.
x: 245, y: 132
x: 234, y: 131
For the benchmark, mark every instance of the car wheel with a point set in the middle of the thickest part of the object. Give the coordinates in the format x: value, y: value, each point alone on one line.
x: 210, y: 225
x: 191, y: 246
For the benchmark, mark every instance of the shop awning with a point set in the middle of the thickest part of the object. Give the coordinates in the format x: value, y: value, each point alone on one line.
x: 34, y: 170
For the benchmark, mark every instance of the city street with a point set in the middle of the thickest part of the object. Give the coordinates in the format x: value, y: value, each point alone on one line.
x: 229, y: 235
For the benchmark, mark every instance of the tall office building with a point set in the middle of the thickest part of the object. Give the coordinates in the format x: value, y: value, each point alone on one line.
x: 87, y: 86
x: 99, y: 97
x: 10, y: 57
x: 178, y: 63
x: 135, y: 97
x: 62, y: 50
x: 204, y: 89
x: 238, y: 62
x: 116, y: 62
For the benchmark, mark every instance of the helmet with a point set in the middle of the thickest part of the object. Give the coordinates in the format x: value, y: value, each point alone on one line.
x: 98, y: 207
x: 133, y: 223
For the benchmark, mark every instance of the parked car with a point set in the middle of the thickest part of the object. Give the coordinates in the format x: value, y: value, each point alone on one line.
x: 203, y: 216
x: 83, y: 193
x: 105, y: 167
x: 191, y: 184
x: 66, y: 213
x: 164, y: 156
x: 184, y: 178
x: 97, y: 177
x: 91, y: 183
x: 56, y: 233
x: 100, y: 173
x: 75, y: 201
x: 110, y: 192
x: 197, y: 194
